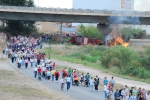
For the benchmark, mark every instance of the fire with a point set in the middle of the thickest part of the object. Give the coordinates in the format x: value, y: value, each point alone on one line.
x: 118, y: 41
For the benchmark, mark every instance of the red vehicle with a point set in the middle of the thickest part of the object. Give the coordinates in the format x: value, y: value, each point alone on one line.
x: 96, y: 42
x: 84, y: 40
x: 79, y: 40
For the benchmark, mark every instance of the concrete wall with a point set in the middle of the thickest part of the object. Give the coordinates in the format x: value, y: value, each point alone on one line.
x: 139, y: 42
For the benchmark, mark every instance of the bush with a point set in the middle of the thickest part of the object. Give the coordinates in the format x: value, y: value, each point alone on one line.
x: 118, y: 56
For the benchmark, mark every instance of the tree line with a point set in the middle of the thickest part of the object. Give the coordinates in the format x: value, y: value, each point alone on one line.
x: 15, y: 27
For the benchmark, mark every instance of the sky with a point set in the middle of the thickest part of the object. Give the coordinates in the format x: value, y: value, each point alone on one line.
x: 140, y: 5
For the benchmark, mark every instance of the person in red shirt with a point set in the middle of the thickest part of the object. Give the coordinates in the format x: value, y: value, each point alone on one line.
x: 64, y: 73
x: 39, y: 70
x: 57, y: 75
x: 54, y: 65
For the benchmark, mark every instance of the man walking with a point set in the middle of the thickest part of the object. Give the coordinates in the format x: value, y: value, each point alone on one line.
x: 68, y: 80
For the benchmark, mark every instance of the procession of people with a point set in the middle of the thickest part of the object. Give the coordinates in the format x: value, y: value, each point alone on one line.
x: 22, y: 51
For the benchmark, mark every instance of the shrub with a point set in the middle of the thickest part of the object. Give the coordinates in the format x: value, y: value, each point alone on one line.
x: 118, y: 56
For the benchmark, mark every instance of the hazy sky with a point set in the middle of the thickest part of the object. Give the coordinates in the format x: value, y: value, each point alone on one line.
x: 142, y: 5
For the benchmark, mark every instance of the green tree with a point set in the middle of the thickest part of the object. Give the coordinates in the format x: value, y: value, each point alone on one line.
x: 132, y: 33
x: 89, y: 31
x: 21, y: 27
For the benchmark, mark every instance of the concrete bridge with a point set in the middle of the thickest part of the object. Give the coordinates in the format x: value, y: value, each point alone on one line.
x: 74, y: 15
x: 104, y: 17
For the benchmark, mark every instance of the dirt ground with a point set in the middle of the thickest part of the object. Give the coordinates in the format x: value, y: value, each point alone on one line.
x: 14, y: 85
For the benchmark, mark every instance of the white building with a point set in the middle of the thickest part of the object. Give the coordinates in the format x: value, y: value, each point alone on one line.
x: 104, y: 4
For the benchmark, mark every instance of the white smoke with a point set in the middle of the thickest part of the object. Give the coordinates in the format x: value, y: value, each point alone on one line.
x: 142, y: 5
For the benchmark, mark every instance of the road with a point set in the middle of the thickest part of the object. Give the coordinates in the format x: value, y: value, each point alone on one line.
x: 76, y: 92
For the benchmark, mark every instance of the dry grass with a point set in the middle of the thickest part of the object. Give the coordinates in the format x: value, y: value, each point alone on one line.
x: 16, y: 86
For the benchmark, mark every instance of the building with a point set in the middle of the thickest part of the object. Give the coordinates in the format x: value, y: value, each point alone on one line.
x: 54, y: 27
x: 104, y: 4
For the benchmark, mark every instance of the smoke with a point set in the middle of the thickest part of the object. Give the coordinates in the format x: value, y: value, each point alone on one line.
x: 142, y: 5
x: 124, y: 20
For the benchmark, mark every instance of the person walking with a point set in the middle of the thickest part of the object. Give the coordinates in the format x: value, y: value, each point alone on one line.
x: 31, y: 61
x: 39, y: 70
x: 35, y: 62
x: 35, y: 72
x: 48, y: 74
x: 19, y: 63
x: 26, y: 63
x: 148, y: 96
x: 87, y: 77
x: 53, y: 72
x: 112, y: 83
x: 12, y: 57
x: 91, y: 81
x: 23, y: 62
x: 82, y: 78
x: 105, y: 91
x: 57, y: 74
x: 132, y: 97
x: 96, y: 83
x: 105, y: 81
x: 62, y: 81
x: 116, y: 95
x: 68, y: 80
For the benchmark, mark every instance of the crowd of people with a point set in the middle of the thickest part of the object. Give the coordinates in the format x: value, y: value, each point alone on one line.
x: 21, y: 50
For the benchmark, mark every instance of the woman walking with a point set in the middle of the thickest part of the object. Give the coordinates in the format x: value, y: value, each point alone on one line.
x: 91, y: 84
x: 57, y: 75
x: 26, y: 63
x: 82, y: 78
x: 62, y: 81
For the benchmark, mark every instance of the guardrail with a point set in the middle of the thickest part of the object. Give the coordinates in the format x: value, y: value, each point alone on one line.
x: 96, y: 11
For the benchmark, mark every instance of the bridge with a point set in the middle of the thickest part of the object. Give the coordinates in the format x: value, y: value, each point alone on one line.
x: 74, y: 15
x: 104, y: 17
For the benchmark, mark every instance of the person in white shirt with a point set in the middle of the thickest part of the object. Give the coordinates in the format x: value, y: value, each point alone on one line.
x: 105, y: 91
x: 35, y: 72
x: 43, y: 71
x: 123, y: 93
x: 62, y: 81
x: 35, y: 62
x: 132, y: 97
x: 15, y: 56
x: 126, y: 89
x: 19, y: 63
x: 68, y: 80
x: 31, y: 61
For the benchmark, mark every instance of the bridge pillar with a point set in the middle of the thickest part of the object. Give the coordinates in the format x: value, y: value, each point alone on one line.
x: 104, y: 29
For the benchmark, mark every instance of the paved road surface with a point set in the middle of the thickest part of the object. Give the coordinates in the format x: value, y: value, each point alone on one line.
x: 77, y: 92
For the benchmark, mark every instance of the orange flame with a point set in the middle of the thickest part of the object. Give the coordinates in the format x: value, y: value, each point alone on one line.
x: 118, y: 41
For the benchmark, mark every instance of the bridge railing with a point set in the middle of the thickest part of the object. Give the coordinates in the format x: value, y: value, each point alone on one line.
x: 96, y: 11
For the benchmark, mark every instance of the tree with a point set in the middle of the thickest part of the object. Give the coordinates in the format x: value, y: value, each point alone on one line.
x: 89, y: 31
x: 132, y: 33
x: 21, y: 27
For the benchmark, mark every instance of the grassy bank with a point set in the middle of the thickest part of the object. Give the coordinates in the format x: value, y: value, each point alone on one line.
x: 118, y: 61
x: 16, y: 86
